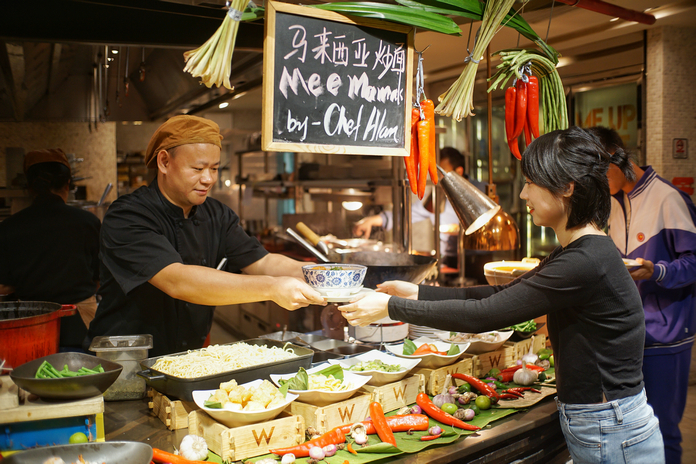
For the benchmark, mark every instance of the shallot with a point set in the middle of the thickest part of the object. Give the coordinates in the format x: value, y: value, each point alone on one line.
x: 288, y: 459
x: 329, y: 450
x: 316, y: 452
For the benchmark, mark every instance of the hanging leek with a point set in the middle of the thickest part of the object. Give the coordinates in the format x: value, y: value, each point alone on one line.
x: 212, y: 61
x: 457, y: 101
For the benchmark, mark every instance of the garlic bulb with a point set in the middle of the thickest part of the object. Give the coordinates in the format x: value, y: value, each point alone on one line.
x: 193, y: 448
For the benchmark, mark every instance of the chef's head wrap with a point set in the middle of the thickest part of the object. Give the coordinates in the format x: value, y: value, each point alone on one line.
x: 181, y: 130
x: 50, y: 155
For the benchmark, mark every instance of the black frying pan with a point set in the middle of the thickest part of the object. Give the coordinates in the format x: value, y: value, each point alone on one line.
x: 383, y: 266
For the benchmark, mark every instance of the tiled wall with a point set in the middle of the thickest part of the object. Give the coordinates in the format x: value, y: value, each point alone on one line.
x: 97, y: 147
x: 671, y: 100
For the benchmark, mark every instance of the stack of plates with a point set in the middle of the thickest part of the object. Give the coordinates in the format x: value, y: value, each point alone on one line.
x: 416, y: 331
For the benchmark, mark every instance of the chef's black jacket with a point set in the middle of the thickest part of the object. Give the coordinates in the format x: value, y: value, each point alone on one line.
x: 50, y: 252
x: 142, y: 233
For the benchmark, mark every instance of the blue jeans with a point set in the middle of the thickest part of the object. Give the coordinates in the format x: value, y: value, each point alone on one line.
x: 620, y: 431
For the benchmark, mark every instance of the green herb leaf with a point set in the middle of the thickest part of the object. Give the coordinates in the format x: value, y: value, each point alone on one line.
x: 299, y: 382
x: 212, y: 404
x: 334, y: 369
x: 453, y: 349
x: 379, y: 448
x: 409, y: 347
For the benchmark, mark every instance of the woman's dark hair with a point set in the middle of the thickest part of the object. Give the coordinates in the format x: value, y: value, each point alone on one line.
x: 44, y: 177
x: 558, y: 158
x: 611, y: 140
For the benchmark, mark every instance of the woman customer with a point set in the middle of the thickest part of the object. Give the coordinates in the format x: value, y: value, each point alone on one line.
x: 595, y: 318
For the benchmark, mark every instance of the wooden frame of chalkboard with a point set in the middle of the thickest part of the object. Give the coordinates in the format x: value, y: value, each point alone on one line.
x: 334, y: 84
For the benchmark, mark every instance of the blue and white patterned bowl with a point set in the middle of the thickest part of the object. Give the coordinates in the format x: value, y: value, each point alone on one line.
x: 334, y: 276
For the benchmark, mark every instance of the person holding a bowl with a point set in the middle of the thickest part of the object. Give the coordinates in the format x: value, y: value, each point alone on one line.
x: 161, y: 244
x: 595, y: 316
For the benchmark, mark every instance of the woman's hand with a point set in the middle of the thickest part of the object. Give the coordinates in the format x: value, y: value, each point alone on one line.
x: 366, y: 309
x: 399, y: 288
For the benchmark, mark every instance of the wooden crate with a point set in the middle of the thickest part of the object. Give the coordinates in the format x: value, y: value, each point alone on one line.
x: 239, y: 443
x: 521, y: 348
x: 435, y: 378
x: 173, y: 413
x: 393, y: 396
x: 325, y: 418
x: 501, y: 358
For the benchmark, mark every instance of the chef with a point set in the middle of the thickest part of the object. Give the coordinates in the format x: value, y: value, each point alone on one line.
x: 161, y: 244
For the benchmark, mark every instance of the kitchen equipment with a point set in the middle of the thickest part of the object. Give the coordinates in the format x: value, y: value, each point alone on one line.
x: 383, y: 266
x: 341, y: 347
x: 502, y: 272
x: 473, y: 207
x: 181, y: 388
x: 108, y: 188
x: 121, y: 452
x: 127, y: 350
x: 30, y: 329
x: 314, y: 239
x: 318, y: 254
x: 241, y: 418
x: 67, y: 388
x: 383, y: 331
x: 379, y: 377
x: 323, y: 397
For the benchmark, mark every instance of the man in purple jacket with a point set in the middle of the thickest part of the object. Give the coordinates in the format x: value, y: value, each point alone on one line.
x: 654, y: 223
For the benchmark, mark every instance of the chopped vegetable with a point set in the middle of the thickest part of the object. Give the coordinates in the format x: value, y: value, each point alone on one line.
x: 375, y: 365
x: 47, y: 371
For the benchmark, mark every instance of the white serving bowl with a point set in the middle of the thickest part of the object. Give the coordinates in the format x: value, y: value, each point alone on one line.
x: 479, y: 346
x: 379, y: 378
x: 430, y: 361
x: 240, y: 418
x: 323, y: 397
x: 502, y: 272
x: 321, y: 277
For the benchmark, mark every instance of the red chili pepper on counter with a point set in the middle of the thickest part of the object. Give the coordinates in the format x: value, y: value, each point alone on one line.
x: 332, y: 437
x: 162, y: 456
x: 533, y: 105
x: 479, y: 385
x: 439, y: 415
x: 520, y: 107
x: 532, y: 367
x: 400, y: 423
x: 429, y: 437
x: 380, y: 422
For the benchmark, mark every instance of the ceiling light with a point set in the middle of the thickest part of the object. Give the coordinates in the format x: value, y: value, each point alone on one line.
x: 228, y: 183
x: 613, y: 19
x: 352, y: 205
x: 223, y: 105
x: 114, y: 51
x: 239, y: 95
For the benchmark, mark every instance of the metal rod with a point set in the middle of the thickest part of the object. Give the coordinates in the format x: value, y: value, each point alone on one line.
x: 608, y: 9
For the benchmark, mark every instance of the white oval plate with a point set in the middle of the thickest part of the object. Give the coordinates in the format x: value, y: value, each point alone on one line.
x: 347, y: 298
x: 379, y: 378
x: 322, y: 397
x: 240, y: 418
x: 631, y: 263
x: 429, y: 361
x: 479, y: 346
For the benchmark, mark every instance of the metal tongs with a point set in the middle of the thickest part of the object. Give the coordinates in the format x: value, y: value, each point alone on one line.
x: 308, y: 246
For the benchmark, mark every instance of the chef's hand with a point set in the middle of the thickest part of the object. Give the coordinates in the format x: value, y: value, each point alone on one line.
x: 363, y: 228
x: 365, y: 309
x: 292, y: 294
x: 645, y: 271
x: 399, y: 288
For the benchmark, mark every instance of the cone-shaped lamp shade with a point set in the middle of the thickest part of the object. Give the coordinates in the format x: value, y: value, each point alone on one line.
x: 472, y: 206
x: 498, y: 234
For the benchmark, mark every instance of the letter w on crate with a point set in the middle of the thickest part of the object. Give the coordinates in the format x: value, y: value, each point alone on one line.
x: 327, y: 417
x: 500, y: 359
x: 393, y: 396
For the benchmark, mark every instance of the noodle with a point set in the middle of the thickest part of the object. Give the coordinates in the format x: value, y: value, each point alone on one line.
x: 216, y: 359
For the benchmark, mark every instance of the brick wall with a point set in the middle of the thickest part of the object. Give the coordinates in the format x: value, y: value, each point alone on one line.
x: 671, y: 100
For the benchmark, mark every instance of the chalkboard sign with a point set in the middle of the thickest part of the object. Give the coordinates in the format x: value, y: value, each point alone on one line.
x: 334, y: 84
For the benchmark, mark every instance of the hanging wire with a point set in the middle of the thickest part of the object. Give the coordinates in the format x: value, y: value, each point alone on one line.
x: 548, y: 28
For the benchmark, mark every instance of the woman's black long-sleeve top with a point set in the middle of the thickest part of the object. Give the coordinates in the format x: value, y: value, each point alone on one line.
x: 595, y: 316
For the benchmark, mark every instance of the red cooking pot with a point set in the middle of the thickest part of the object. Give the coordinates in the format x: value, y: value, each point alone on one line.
x: 30, y: 330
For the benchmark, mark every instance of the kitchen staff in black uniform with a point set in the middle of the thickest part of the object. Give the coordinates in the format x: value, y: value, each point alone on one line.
x: 160, y: 246
x: 50, y: 251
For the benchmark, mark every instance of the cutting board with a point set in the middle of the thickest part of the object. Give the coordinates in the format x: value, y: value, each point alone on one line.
x: 9, y: 393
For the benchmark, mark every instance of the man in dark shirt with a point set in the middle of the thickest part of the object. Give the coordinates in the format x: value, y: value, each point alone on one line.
x: 49, y: 251
x: 161, y: 244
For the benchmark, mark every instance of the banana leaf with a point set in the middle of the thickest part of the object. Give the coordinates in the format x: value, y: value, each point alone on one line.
x: 395, y: 13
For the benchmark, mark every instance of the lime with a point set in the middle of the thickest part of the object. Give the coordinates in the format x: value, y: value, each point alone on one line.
x: 449, y: 408
x: 78, y: 437
x: 464, y: 388
x: 483, y: 402
x: 551, y: 360
x: 475, y: 408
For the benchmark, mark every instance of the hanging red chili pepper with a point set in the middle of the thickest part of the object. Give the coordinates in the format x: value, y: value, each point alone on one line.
x: 411, y: 161
x: 520, y: 108
x: 429, y: 112
x: 527, y: 134
x: 423, y: 156
x: 533, y: 105
x: 510, y: 100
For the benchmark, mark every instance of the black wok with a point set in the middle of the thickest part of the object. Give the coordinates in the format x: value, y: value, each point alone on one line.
x: 383, y: 266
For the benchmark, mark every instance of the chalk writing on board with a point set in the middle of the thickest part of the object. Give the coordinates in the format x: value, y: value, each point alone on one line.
x: 338, y: 83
